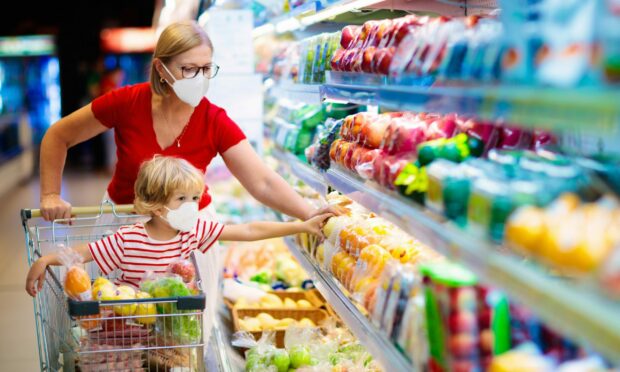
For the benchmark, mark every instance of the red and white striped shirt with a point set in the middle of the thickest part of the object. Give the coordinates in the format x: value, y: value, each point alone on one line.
x: 134, y: 253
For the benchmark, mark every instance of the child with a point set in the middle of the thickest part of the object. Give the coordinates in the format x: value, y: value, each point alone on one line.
x: 168, y: 189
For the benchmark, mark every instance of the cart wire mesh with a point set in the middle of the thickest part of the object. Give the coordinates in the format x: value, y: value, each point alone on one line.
x: 144, y: 334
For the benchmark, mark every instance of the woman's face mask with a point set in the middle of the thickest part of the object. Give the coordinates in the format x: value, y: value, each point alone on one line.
x: 190, y: 90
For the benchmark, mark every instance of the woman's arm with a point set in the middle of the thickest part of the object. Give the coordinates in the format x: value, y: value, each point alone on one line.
x: 67, y: 132
x: 265, y: 230
x: 36, y: 275
x: 263, y: 183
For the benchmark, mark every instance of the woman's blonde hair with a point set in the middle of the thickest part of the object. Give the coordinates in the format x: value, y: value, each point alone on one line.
x: 159, y: 178
x: 177, y: 38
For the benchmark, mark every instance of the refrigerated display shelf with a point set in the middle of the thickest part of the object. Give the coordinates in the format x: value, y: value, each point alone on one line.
x: 563, y: 110
x: 305, y: 93
x: 578, y: 310
x: 375, y: 342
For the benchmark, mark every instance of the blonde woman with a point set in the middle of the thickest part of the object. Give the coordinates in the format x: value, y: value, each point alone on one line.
x: 168, y: 115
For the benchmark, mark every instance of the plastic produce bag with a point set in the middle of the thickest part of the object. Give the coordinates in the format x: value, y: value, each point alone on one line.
x: 76, y: 280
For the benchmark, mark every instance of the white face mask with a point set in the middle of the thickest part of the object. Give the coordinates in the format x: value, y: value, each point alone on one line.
x: 184, y: 218
x: 191, y: 90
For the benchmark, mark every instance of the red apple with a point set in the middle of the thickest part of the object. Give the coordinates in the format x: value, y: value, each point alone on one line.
x: 336, y: 61
x: 369, y: 52
x: 359, y: 121
x: 344, y: 149
x: 358, y: 59
x: 345, y: 129
x: 486, y: 341
x: 349, y: 36
x: 373, y: 131
x: 333, y: 150
x: 366, y: 33
x: 484, y: 318
x: 384, y: 34
x: 441, y: 128
x: 349, y: 156
x: 348, y: 59
x: 462, y: 321
x: 357, y: 155
x: 392, y: 169
x: 462, y: 345
x: 542, y: 139
x: 406, y: 136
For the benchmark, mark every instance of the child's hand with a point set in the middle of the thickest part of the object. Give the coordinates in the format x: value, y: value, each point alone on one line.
x: 36, y: 274
x: 315, y: 224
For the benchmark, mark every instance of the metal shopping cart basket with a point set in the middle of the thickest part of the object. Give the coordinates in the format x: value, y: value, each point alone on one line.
x: 167, y: 335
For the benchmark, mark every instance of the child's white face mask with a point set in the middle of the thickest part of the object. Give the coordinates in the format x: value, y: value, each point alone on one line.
x: 184, y: 218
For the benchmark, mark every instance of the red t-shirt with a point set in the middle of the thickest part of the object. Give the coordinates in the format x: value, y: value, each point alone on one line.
x: 128, y: 110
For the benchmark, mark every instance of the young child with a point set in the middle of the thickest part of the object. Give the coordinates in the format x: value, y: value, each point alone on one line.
x: 168, y: 189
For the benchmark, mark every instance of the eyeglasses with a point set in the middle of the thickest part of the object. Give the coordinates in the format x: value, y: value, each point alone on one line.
x: 209, y: 71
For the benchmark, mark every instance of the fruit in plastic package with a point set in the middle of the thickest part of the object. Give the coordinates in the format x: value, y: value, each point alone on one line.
x: 281, y: 360
x: 306, y: 322
x: 89, y: 322
x: 525, y: 228
x: 146, y: 311
x: 77, y: 284
x: 300, y: 356
x: 103, y: 289
x: 124, y: 292
x: 184, y: 268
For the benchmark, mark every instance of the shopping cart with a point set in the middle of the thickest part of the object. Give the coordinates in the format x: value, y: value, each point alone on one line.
x: 99, y: 335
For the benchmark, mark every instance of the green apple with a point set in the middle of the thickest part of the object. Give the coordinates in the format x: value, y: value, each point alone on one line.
x: 300, y: 356
x: 281, y: 360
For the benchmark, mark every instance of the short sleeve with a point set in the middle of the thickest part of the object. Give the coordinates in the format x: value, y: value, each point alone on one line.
x: 108, y: 252
x: 107, y: 108
x: 207, y: 233
x: 227, y: 131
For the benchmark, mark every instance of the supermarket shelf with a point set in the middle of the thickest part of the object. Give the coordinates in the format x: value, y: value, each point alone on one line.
x: 577, y: 310
x: 304, y: 93
x: 375, y: 342
x: 315, y: 12
x: 302, y: 171
x: 592, y: 110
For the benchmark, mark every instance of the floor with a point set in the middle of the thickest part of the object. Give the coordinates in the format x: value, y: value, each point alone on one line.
x: 18, y: 350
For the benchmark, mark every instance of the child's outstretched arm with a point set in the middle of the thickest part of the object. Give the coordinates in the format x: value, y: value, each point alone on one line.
x: 36, y: 275
x: 266, y: 230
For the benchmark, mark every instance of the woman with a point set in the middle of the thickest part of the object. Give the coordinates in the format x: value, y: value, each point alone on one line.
x: 168, y: 115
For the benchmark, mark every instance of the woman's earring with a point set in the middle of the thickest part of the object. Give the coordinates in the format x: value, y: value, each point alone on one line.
x: 161, y: 79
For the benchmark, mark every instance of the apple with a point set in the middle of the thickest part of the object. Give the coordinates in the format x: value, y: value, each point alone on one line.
x: 486, y: 132
x: 358, y: 58
x: 484, y: 318
x: 349, y: 36
x: 462, y: 345
x: 369, y: 53
x: 462, y: 321
x: 383, y: 35
x: 125, y: 292
x: 486, y: 341
x: 542, y: 139
x: 372, y: 133
x: 333, y: 149
x: 405, y: 136
x: 299, y: 356
x: 358, y: 153
x: 281, y: 360
x: 349, y: 156
x: 345, y: 129
x: 344, y: 150
x: 348, y: 60
x: 184, y: 268
x: 336, y: 61
x: 382, y: 60
x: 359, y: 121
x: 365, y: 166
x: 441, y: 128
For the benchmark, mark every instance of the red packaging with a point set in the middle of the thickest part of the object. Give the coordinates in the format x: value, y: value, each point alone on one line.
x: 511, y: 138
x: 384, y: 33
x: 336, y: 61
x: 542, y: 139
x: 486, y: 132
x: 404, y: 135
x: 349, y: 36
x: 365, y: 165
x: 367, y: 60
x: 347, y: 162
x: 441, y: 128
x: 373, y: 131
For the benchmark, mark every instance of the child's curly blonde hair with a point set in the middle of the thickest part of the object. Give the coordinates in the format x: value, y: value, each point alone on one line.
x: 160, y: 177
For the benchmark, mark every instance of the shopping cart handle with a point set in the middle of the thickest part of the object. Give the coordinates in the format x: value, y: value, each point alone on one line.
x: 80, y: 211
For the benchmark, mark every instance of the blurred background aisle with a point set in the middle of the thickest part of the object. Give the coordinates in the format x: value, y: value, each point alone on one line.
x: 18, y: 350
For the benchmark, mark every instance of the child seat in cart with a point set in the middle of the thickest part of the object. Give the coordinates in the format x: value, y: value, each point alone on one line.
x: 110, y: 335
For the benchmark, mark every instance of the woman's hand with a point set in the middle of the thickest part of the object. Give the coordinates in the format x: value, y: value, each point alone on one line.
x: 53, y: 207
x: 36, y: 277
x: 315, y: 224
x: 334, y: 210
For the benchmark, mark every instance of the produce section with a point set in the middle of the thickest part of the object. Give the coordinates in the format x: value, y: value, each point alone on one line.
x: 474, y: 147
